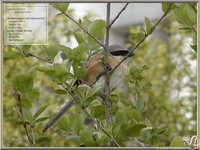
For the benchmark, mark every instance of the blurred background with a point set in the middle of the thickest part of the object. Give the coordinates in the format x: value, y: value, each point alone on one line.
x: 169, y: 90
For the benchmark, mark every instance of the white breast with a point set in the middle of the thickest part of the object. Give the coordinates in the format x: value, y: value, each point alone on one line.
x: 116, y: 78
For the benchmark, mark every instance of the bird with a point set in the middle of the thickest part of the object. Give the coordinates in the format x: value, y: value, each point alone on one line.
x: 95, y: 70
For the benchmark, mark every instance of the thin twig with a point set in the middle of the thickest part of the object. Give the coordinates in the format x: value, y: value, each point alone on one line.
x: 118, y: 15
x: 67, y: 90
x: 93, y: 37
x: 40, y: 58
x: 33, y: 135
x: 80, y: 26
x: 33, y: 55
x: 110, y: 136
x: 83, y: 108
x: 30, y: 140
x: 107, y: 75
x: 140, y: 42
x: 139, y: 143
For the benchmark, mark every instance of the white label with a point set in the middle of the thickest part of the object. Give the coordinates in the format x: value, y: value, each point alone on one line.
x: 25, y: 24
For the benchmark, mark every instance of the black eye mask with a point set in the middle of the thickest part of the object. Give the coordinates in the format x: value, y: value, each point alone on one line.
x: 121, y: 53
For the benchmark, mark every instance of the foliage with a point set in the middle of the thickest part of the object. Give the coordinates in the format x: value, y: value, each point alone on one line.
x: 144, y: 111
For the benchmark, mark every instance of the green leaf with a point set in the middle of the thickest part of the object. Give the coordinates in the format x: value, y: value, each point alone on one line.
x: 135, y: 130
x: 161, y: 129
x: 10, y: 55
x: 64, y: 123
x: 40, y: 120
x: 61, y: 73
x: 131, y: 113
x: 79, y: 38
x: 177, y: 142
x: 183, y: 16
x: 98, y: 111
x: 76, y: 123
x: 78, y: 93
x: 121, y: 118
x: 60, y: 91
x: 139, y: 104
x: 42, y: 140
x: 165, y: 6
x: 92, y: 92
x: 194, y: 47
x: 46, y: 69
x: 27, y: 114
x: 180, y: 17
x: 148, y: 25
x: 79, y: 70
x: 146, y: 135
x: 66, y: 51
x: 34, y: 94
x: 192, y: 15
x: 23, y: 82
x: 51, y: 50
x: 87, y: 138
x: 26, y: 103
x: 75, y: 139
x: 79, y: 53
x: 39, y: 112
x: 26, y: 48
x: 97, y: 29
x: 146, y: 86
x: 61, y: 6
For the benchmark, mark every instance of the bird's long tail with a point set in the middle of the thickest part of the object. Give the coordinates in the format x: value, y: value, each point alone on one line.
x: 64, y: 109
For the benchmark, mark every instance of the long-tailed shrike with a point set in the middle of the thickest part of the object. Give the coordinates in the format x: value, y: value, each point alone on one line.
x: 95, y: 70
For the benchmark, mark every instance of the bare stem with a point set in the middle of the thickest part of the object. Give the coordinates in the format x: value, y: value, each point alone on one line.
x: 140, y: 42
x: 30, y: 140
x: 33, y: 55
x: 118, y: 15
x: 40, y: 58
x: 107, y: 75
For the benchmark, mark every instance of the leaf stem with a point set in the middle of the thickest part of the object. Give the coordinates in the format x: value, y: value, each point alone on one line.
x: 118, y: 15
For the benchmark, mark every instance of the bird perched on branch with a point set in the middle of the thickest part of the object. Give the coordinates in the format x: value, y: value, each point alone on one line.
x: 95, y: 71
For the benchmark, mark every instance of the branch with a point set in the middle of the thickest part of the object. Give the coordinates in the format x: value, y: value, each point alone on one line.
x: 110, y: 136
x: 67, y: 90
x: 33, y: 55
x: 140, y: 42
x: 118, y: 15
x: 74, y: 21
x: 40, y: 58
x: 66, y: 107
x: 30, y: 140
x: 107, y: 75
